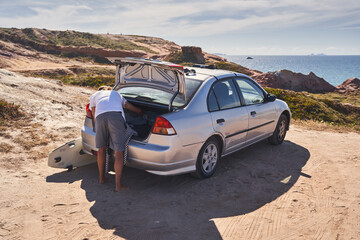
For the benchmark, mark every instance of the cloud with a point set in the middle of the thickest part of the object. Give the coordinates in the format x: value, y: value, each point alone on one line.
x: 62, y: 16
x: 175, y: 18
x: 187, y: 19
x: 331, y: 48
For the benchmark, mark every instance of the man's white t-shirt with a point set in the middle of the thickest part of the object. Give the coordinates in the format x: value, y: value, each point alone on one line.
x: 107, y: 101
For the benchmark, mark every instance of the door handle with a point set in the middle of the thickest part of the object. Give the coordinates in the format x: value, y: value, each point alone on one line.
x: 253, y: 113
x: 221, y: 120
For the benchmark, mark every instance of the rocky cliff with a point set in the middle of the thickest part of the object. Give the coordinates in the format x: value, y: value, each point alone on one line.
x: 194, y: 54
x: 352, y: 85
x: 285, y: 79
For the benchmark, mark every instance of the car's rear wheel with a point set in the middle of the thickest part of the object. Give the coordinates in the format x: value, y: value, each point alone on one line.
x: 208, y: 159
x: 280, y: 131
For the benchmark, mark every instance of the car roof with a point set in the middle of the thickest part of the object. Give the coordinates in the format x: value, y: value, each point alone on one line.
x: 204, y: 74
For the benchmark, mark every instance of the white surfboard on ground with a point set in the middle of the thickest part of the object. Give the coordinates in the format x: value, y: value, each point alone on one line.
x: 70, y: 155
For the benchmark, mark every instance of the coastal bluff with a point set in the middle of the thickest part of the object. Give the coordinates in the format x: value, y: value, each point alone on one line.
x: 352, y: 85
x: 298, y: 82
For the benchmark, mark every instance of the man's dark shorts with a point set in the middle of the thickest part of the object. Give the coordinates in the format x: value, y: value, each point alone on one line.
x: 111, y: 129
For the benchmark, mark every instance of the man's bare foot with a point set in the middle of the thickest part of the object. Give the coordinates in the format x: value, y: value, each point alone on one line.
x: 121, y: 188
x: 102, y: 180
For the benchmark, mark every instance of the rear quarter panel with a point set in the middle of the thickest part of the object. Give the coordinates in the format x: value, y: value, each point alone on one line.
x: 193, y: 123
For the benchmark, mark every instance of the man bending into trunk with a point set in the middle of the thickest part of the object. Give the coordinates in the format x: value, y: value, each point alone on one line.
x: 111, y: 128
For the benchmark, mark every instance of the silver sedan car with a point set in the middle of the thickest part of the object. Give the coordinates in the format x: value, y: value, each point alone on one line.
x: 192, y: 117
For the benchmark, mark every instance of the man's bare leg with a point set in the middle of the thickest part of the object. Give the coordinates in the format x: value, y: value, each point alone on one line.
x: 119, y: 165
x: 101, y: 157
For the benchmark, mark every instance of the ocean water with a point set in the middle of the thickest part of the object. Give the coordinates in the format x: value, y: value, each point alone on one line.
x: 334, y: 69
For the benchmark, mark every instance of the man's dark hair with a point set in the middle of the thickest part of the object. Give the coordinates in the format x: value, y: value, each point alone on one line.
x: 104, y: 88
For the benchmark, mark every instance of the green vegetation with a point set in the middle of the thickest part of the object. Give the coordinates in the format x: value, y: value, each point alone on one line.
x: 9, y: 111
x: 91, y: 77
x: 306, y: 106
x: 86, y: 80
x: 179, y: 58
x: 232, y: 67
x: 82, y: 57
x: 72, y: 38
x: 149, y: 41
x: 350, y: 98
x: 185, y: 60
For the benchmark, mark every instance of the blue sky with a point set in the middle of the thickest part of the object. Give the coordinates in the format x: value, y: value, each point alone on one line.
x: 275, y: 27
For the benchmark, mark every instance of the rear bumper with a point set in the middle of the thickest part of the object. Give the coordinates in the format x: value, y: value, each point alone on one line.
x: 161, y: 155
x: 88, y: 140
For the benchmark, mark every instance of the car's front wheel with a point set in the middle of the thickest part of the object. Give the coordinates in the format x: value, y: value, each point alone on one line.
x: 280, y: 131
x: 208, y: 159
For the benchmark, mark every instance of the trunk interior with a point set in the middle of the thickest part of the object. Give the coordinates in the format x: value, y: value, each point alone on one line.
x: 143, y: 124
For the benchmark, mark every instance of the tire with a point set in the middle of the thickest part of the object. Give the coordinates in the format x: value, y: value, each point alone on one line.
x: 208, y: 159
x: 280, y: 131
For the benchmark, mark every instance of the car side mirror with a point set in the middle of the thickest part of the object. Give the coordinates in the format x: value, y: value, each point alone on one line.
x: 270, y: 97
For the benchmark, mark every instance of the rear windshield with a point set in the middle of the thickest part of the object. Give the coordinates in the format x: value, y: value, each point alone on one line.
x: 148, y: 94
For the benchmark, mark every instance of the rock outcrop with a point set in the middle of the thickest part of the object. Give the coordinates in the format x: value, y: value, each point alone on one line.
x: 194, y: 54
x: 352, y: 85
x: 298, y: 82
x: 213, y: 58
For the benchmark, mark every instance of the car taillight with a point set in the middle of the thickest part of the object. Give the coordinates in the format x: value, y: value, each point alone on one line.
x: 163, y: 126
x: 88, y: 111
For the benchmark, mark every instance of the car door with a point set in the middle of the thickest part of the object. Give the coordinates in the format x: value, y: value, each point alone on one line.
x: 228, y: 116
x: 261, y: 114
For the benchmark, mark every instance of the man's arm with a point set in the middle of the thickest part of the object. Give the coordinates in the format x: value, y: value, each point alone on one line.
x: 93, y: 113
x: 132, y: 108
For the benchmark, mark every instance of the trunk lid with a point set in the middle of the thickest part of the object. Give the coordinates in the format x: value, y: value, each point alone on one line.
x: 156, y: 74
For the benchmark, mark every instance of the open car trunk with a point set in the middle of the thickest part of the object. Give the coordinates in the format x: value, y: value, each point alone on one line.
x: 141, y: 74
x: 143, y: 124
x: 164, y: 76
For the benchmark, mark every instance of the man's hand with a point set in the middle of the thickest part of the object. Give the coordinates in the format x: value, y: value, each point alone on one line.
x: 132, y: 108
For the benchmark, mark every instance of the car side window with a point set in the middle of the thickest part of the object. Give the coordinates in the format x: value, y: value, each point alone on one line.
x: 252, y: 94
x: 212, y: 102
x: 223, y: 95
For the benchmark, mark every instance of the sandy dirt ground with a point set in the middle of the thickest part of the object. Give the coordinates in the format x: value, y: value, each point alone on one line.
x: 306, y: 188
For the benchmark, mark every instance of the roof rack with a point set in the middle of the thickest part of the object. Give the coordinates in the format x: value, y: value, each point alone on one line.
x: 154, y: 62
x: 212, y: 66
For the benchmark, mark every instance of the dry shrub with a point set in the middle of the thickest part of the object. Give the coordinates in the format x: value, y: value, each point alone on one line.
x: 323, y: 126
x: 3, y: 132
x: 4, y: 147
x: 36, y: 155
x: 30, y: 137
x: 9, y: 112
x: 53, y: 136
